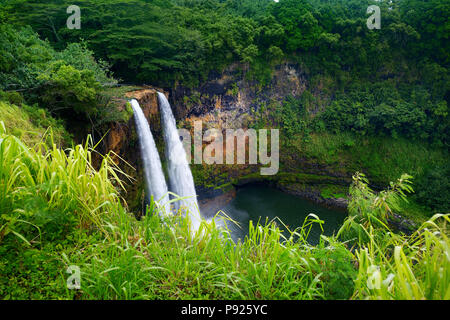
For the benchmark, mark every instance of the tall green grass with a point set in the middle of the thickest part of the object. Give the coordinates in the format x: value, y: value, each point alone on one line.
x: 46, y: 189
x: 55, y: 206
x: 160, y: 261
x: 417, y: 267
x: 30, y: 123
x: 392, y: 265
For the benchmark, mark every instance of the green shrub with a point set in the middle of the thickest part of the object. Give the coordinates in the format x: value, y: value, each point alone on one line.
x: 13, y: 97
x: 62, y: 81
x: 30, y: 123
x: 433, y: 189
x: 22, y: 57
x: 80, y: 57
x: 46, y: 192
x: 69, y: 88
x: 337, y: 268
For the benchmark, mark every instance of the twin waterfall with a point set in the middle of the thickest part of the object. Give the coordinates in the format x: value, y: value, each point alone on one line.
x: 155, y: 182
x: 180, y: 177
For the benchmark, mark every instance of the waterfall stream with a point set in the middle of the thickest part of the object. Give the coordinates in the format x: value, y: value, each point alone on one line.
x: 180, y: 175
x: 154, y: 177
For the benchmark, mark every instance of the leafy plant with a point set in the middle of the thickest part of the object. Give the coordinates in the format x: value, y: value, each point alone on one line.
x: 46, y: 192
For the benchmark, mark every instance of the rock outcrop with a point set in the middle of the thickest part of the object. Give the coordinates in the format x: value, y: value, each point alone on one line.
x: 122, y: 141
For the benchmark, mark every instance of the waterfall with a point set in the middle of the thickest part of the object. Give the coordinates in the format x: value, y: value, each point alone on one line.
x: 154, y: 176
x: 180, y: 175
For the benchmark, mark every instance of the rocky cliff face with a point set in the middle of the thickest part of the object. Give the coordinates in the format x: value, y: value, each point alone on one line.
x: 229, y: 100
x: 225, y: 101
x: 118, y: 138
x: 122, y: 141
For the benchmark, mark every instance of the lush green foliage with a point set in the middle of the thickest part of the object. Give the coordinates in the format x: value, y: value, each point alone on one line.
x: 432, y: 188
x: 401, y: 85
x: 64, y: 82
x: 30, y: 123
x: 25, y: 57
x: 69, y: 88
x: 347, y: 139
x: 384, y: 109
x: 391, y: 82
x: 60, y: 212
x: 46, y: 191
x: 392, y: 266
x: 168, y: 41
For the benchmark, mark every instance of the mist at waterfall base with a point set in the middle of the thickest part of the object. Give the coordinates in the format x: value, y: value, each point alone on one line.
x: 258, y: 202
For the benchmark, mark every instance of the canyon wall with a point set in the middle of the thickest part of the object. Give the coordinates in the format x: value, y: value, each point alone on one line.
x: 230, y: 100
x: 227, y: 100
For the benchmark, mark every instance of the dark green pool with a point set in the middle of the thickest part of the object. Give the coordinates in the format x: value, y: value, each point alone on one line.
x: 256, y: 202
